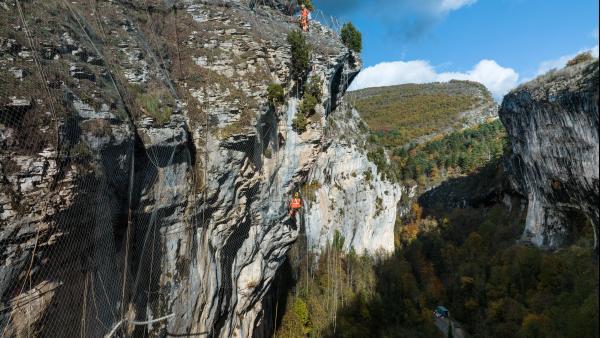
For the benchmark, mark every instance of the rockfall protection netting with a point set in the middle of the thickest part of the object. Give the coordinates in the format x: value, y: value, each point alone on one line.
x: 90, y: 211
x: 76, y: 263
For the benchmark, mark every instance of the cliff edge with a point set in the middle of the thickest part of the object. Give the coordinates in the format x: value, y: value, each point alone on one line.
x: 144, y: 174
x: 552, y: 123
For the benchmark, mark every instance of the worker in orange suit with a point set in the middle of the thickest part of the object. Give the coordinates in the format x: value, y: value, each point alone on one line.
x: 304, y: 18
x: 295, y: 204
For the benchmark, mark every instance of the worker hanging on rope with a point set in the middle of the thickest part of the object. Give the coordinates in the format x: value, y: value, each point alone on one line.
x: 304, y: 16
x: 295, y: 204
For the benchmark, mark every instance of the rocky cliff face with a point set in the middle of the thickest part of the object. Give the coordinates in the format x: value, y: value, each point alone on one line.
x: 553, y: 127
x: 346, y: 193
x: 143, y: 173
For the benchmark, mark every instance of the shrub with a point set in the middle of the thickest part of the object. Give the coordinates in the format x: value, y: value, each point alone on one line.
x: 313, y: 87
x: 300, y: 53
x: 157, y: 104
x: 351, y: 37
x: 308, y: 4
x: 312, y: 96
x: 308, y: 105
x: 377, y: 157
x: 300, y: 123
x: 378, y: 206
x: 583, y: 57
x: 275, y: 93
x: 301, y: 311
x: 368, y: 175
x: 82, y: 153
x: 338, y: 240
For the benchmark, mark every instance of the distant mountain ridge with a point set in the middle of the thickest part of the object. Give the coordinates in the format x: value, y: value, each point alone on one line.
x: 450, y: 87
x: 415, y: 113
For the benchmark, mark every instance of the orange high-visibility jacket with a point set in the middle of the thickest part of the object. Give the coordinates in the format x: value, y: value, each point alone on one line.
x: 296, y: 203
x: 305, y: 14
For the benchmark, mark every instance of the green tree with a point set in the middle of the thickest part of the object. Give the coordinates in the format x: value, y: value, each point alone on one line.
x: 338, y: 240
x: 351, y: 37
x: 275, y: 93
x: 535, y: 326
x: 313, y: 87
x: 308, y: 4
x: 301, y: 51
x: 300, y: 123
x: 301, y: 311
x: 308, y: 105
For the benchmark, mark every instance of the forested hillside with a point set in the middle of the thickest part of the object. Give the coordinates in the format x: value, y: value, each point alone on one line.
x: 456, y: 243
x: 458, y: 247
x: 398, y: 115
x: 459, y: 153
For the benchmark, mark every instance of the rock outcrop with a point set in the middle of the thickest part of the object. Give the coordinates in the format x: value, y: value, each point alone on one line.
x: 345, y: 193
x: 552, y: 122
x: 144, y: 175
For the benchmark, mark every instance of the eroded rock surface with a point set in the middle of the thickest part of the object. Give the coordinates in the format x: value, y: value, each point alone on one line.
x: 142, y: 172
x: 345, y: 193
x: 552, y: 122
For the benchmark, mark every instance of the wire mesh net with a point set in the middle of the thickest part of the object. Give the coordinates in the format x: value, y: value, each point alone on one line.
x: 102, y: 203
x: 82, y: 242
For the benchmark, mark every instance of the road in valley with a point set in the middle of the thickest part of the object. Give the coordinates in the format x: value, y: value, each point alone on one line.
x: 442, y: 325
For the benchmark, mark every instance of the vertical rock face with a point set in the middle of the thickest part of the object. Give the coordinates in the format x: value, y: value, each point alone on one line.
x: 553, y: 127
x: 143, y: 172
x: 346, y: 194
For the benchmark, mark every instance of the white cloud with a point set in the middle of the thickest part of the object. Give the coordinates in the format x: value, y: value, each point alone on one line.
x: 451, y: 5
x: 499, y: 80
x: 392, y: 73
x: 562, y: 61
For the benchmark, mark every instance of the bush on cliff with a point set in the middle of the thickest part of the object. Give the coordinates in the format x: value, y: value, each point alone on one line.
x: 351, y: 37
x: 275, y: 94
x: 300, y: 123
x: 313, y: 87
x: 583, y: 57
x: 308, y: 4
x: 158, y: 104
x: 308, y: 105
x: 312, y: 96
x: 300, y: 53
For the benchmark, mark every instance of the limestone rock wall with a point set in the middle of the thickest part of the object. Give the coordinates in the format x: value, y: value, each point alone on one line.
x: 346, y: 194
x: 142, y: 173
x: 552, y: 122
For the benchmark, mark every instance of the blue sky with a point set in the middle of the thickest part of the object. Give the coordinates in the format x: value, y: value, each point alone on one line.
x: 498, y: 42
